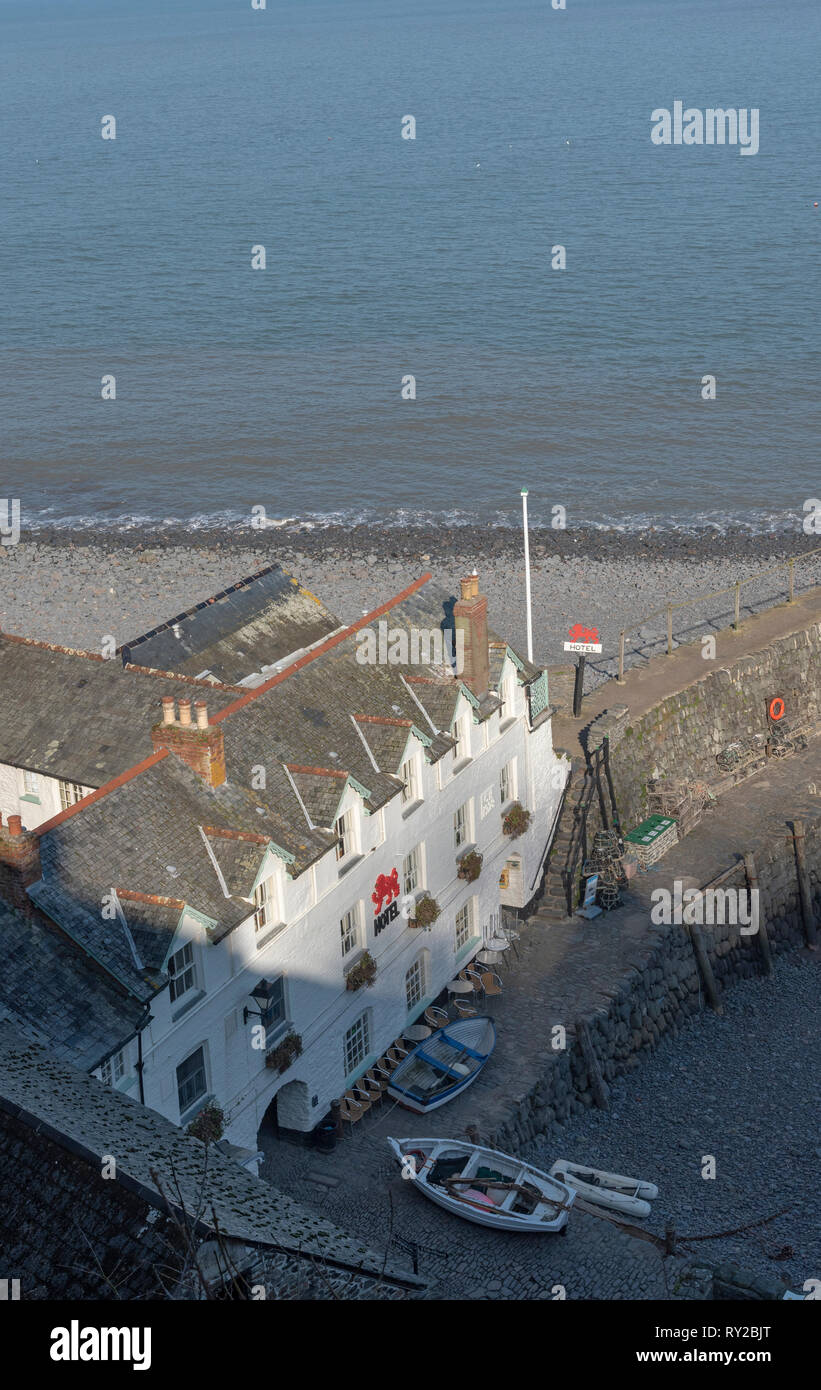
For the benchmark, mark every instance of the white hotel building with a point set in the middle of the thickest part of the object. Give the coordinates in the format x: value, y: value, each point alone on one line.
x: 236, y: 855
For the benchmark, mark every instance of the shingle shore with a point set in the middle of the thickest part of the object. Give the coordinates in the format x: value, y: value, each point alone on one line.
x: 79, y: 592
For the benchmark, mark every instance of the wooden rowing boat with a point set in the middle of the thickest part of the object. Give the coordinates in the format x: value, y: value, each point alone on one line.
x: 443, y: 1065
x: 609, y: 1190
x: 484, y: 1186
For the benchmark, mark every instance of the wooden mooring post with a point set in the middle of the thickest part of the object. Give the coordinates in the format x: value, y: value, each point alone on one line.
x: 805, y: 896
x: 705, y: 969
x: 763, y: 938
x: 598, y: 1085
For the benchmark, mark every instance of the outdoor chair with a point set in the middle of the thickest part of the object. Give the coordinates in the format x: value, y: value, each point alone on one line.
x: 436, y: 1018
x: 491, y: 984
x: 464, y: 1010
x: 350, y: 1110
x: 360, y: 1096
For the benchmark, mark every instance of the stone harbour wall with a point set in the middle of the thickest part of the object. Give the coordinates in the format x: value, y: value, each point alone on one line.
x: 665, y: 990
x: 681, y: 736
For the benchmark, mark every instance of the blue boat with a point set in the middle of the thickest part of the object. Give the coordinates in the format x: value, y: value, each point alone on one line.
x: 444, y: 1065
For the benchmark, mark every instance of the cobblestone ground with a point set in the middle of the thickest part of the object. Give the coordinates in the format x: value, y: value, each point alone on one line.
x: 744, y: 1088
x: 360, y: 1187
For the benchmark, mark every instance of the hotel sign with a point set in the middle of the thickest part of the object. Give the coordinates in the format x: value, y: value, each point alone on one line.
x: 583, y: 639
x: 385, y: 900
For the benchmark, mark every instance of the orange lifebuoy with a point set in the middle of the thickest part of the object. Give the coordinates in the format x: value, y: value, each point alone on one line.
x: 779, y: 703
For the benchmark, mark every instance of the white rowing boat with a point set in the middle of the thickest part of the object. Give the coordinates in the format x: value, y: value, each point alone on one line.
x: 489, y: 1188
x: 610, y: 1190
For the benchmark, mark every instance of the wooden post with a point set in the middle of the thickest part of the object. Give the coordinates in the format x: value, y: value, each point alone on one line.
x: 703, y: 961
x: 763, y: 938
x: 807, y: 914
x: 791, y: 599
x: 598, y: 1085
x: 737, y: 603
x: 605, y: 818
x: 611, y: 788
x: 669, y: 1239
x: 669, y: 629
x: 578, y: 688
x: 620, y: 676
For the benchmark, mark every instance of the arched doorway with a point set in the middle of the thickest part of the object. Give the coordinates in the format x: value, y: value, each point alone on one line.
x: 289, y: 1116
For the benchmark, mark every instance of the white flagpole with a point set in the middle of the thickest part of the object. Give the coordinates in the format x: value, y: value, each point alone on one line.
x: 527, y: 577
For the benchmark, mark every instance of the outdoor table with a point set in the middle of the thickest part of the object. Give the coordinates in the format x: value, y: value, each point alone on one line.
x: 497, y: 943
x: 489, y: 957
x: 460, y: 987
x: 417, y: 1032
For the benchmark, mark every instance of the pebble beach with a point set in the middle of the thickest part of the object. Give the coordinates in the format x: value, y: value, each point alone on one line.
x: 76, y: 588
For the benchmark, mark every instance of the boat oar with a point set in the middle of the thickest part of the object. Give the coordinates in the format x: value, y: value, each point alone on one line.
x: 510, y: 1187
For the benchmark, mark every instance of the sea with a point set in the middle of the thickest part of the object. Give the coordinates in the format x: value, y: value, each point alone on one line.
x: 412, y: 350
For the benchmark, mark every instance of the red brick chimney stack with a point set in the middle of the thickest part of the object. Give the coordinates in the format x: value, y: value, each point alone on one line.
x: 200, y: 746
x: 470, y: 617
x: 19, y: 863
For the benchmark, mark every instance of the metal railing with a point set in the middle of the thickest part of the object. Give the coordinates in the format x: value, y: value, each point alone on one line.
x: 735, y: 588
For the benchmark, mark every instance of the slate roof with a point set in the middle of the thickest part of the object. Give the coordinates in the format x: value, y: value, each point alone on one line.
x: 42, y: 1099
x: 303, y: 730
x: 255, y: 623
x: 75, y: 716
x: 52, y: 993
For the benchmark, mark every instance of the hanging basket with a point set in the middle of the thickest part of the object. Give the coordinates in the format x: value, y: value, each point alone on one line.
x: 425, y: 913
x: 281, y: 1057
x: 515, y: 821
x: 363, y: 973
x: 470, y: 866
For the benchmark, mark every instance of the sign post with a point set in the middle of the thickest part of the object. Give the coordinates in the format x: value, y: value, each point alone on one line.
x: 582, y: 640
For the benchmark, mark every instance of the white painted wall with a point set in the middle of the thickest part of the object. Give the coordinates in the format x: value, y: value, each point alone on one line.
x: 308, y: 950
x: 34, y: 809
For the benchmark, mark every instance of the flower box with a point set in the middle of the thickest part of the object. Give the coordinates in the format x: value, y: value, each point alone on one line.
x: 363, y: 973
x: 280, y: 1057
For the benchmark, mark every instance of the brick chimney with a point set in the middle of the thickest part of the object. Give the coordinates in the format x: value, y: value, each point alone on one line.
x: 19, y: 862
x: 200, y: 746
x: 470, y: 616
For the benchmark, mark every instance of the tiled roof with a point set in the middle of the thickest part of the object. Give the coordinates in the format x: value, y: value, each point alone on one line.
x: 87, y: 1120
x: 52, y: 993
x: 255, y: 623
x: 78, y: 717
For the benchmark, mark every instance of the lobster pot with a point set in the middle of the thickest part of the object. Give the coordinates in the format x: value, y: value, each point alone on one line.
x: 652, y: 839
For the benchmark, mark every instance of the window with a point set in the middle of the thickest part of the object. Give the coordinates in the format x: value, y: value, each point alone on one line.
x: 344, y: 830
x: 461, y: 748
x: 115, y: 1068
x: 508, y: 698
x: 410, y: 782
x: 70, y: 794
x: 507, y: 782
x: 411, y: 871
x: 275, y: 1013
x: 31, y: 784
x: 461, y: 826
x: 265, y: 903
x: 191, y: 1083
x: 349, y: 927
x: 183, y: 975
x: 415, y: 983
x: 464, y: 925
x: 357, y: 1044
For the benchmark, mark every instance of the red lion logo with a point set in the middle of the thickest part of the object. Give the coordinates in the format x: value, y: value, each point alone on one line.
x: 580, y: 633
x: 386, y: 889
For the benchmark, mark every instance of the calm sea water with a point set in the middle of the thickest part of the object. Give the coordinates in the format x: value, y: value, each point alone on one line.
x: 388, y: 257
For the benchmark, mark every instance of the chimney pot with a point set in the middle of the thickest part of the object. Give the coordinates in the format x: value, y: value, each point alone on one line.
x: 201, y: 710
x: 15, y: 825
x: 470, y: 615
x: 168, y: 712
x: 185, y: 711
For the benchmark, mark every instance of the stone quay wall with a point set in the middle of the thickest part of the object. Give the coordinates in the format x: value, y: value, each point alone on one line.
x: 665, y: 990
x: 680, y: 736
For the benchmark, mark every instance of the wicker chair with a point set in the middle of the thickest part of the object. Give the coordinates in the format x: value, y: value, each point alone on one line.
x: 436, y: 1018
x: 463, y: 1009
x: 350, y: 1110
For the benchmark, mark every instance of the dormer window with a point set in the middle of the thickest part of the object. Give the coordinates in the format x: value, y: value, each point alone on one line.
x: 507, y: 694
x: 182, y: 972
x: 410, y: 782
x: 345, y: 830
x: 461, y: 748
x: 265, y: 902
